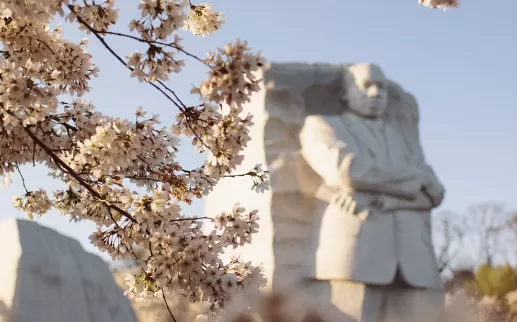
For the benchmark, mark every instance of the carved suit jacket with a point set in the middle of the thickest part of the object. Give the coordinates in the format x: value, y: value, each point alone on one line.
x: 369, y: 185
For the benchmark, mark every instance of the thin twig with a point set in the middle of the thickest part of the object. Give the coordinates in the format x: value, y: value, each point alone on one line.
x: 249, y: 173
x: 172, y: 92
x: 23, y: 179
x: 155, y: 42
x: 168, y: 308
x: 191, y: 218
x: 46, y: 45
x: 117, y: 56
x: 130, y: 248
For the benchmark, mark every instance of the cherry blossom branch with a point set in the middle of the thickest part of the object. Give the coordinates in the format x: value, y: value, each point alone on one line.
x: 181, y: 106
x: 46, y: 45
x: 155, y: 42
x: 168, y: 308
x: 143, y: 270
x: 97, y: 156
x: 250, y: 173
x: 72, y: 173
x: 173, y: 93
x: 83, y: 182
x: 192, y: 218
x: 23, y: 179
x: 117, y: 56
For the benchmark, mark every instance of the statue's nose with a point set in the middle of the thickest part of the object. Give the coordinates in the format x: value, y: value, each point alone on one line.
x: 373, y: 91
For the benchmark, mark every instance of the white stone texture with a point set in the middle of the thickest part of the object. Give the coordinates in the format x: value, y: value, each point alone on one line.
x: 351, y: 192
x: 377, y: 220
x: 46, y: 276
x: 279, y: 111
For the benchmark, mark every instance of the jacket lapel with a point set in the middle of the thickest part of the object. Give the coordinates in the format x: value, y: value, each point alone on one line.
x: 362, y: 135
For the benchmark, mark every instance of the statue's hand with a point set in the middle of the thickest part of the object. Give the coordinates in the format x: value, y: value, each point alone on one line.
x: 425, y: 200
x: 345, y: 202
x: 430, y: 186
x: 435, y: 192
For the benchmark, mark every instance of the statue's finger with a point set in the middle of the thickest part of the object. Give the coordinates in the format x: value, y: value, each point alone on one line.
x: 353, y: 207
x: 346, y: 205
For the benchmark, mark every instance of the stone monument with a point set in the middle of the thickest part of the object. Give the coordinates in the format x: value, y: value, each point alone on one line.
x: 46, y: 276
x: 348, y: 216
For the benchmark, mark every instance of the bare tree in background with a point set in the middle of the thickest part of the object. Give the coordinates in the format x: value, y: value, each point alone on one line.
x: 448, y: 236
x: 482, y: 223
x: 508, y: 230
x: 478, y: 233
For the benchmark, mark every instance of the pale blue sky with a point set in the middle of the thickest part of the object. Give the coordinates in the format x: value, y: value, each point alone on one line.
x: 461, y: 65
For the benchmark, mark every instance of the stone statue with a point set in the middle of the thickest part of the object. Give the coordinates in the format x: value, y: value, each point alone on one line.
x: 342, y: 147
x: 46, y: 276
x: 373, y: 247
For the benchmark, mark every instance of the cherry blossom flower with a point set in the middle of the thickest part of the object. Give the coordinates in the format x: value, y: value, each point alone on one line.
x: 439, y: 4
x: 203, y: 21
x: 97, y: 16
x: 7, y: 179
x: 33, y: 203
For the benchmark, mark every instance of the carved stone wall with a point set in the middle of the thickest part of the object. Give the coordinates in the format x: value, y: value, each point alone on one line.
x: 290, y: 92
x: 46, y: 276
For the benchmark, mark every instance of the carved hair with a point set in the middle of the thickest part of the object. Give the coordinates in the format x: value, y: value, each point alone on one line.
x: 402, y: 113
x: 402, y: 106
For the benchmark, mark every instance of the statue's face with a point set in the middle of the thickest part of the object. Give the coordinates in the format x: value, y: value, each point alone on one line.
x: 366, y: 90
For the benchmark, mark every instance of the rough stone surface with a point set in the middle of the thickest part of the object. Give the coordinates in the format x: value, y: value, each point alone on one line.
x: 46, y: 276
x: 285, y: 212
x: 328, y: 217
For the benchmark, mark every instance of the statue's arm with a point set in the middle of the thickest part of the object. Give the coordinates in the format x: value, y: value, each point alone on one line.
x: 432, y: 187
x: 340, y: 163
x: 422, y: 202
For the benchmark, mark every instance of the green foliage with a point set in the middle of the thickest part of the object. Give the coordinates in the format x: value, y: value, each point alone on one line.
x: 494, y: 280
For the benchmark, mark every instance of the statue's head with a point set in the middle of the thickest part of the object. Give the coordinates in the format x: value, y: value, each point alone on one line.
x: 366, y: 90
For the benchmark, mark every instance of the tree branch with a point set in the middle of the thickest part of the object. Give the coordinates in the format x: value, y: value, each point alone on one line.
x: 72, y: 173
x: 168, y: 308
x: 154, y: 42
x: 181, y: 106
x: 23, y: 179
x: 117, y: 56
